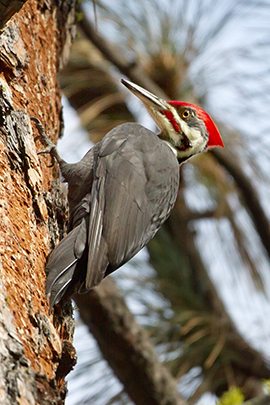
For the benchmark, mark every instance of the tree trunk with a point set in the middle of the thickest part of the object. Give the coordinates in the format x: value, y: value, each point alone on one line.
x: 35, y: 347
x: 127, y: 347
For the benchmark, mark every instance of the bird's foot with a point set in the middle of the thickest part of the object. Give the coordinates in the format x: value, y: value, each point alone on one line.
x: 51, y: 147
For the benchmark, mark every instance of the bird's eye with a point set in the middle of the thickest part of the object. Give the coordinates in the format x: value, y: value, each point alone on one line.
x: 185, y: 114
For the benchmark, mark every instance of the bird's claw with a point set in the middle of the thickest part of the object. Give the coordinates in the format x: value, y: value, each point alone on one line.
x: 45, y: 152
x: 49, y: 150
x: 42, y: 134
x: 51, y: 147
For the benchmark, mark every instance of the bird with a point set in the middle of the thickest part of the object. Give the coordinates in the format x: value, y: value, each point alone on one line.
x: 123, y: 190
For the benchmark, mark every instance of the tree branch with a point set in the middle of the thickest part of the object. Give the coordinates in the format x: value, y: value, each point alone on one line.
x: 252, y: 361
x: 130, y: 69
x: 249, y: 194
x: 263, y: 400
x: 196, y: 216
x: 126, y: 347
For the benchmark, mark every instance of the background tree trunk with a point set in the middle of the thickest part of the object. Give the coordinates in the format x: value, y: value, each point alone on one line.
x: 35, y: 348
x: 126, y: 347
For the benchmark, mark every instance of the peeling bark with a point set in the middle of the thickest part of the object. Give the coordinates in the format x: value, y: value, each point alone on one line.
x: 35, y: 347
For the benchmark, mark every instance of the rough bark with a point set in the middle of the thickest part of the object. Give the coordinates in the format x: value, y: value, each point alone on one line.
x: 35, y: 347
x: 126, y: 347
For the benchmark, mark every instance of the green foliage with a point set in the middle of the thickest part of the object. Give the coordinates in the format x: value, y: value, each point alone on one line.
x: 232, y: 397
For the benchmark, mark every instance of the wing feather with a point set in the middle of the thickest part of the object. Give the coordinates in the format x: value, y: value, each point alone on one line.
x: 63, y: 261
x: 119, y: 215
x: 97, y: 246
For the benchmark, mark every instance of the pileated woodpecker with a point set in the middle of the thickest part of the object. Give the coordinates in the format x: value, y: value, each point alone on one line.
x: 122, y: 191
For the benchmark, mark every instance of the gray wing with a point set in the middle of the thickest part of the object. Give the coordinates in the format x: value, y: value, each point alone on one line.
x: 120, y: 216
x: 130, y: 199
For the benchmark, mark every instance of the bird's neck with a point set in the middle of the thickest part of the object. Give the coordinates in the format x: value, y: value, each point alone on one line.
x: 166, y: 138
x: 174, y: 150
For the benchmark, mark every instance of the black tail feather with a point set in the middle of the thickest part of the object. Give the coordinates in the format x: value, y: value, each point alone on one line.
x: 63, y: 261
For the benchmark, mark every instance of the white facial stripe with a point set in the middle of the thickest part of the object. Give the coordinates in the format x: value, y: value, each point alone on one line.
x: 198, y: 143
x: 169, y: 128
x: 193, y: 134
x: 164, y: 124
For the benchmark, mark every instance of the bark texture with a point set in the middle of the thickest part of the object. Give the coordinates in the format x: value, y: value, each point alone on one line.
x: 119, y: 337
x: 35, y: 347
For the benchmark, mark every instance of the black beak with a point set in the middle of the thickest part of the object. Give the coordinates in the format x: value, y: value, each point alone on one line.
x: 149, y: 99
